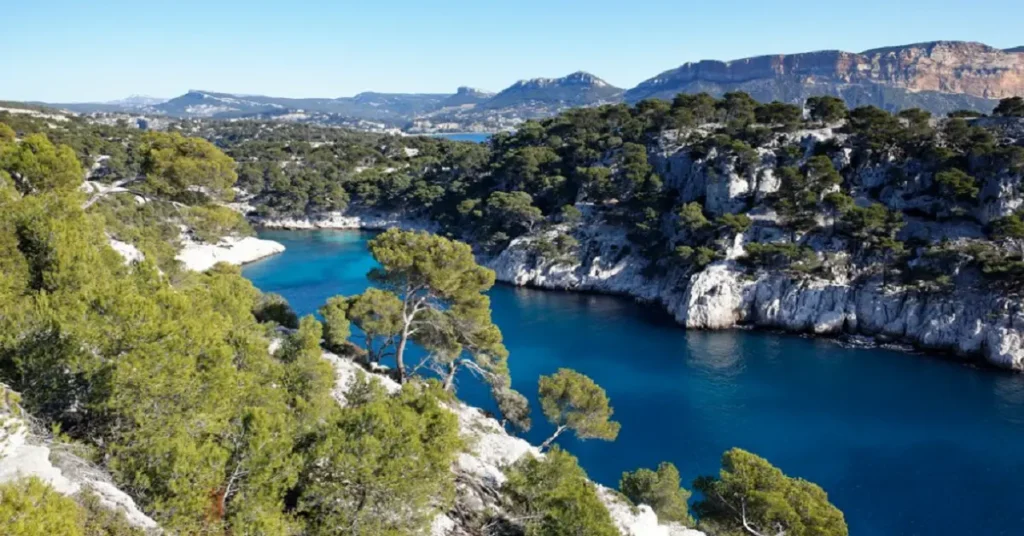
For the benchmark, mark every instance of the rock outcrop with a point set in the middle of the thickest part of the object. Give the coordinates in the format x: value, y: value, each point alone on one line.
x: 23, y: 454
x: 967, y: 321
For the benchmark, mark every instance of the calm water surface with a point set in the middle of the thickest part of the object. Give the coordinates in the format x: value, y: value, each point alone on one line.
x: 475, y: 137
x: 903, y: 444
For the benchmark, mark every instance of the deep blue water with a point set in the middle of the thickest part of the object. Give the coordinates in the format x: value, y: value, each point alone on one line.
x: 904, y: 444
x: 475, y: 137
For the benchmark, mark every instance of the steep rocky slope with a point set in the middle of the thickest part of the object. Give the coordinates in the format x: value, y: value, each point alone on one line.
x: 967, y: 319
x: 26, y: 454
x: 724, y: 296
x: 939, y: 76
x: 967, y: 324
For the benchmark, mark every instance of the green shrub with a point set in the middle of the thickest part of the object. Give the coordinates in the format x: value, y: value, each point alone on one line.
x: 210, y: 223
x: 273, y: 307
x: 382, y: 466
x: 785, y: 256
x: 661, y: 490
x: 29, y: 507
x: 551, y: 496
x: 750, y: 495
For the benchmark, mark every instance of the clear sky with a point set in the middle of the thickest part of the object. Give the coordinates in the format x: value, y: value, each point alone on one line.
x: 65, y: 51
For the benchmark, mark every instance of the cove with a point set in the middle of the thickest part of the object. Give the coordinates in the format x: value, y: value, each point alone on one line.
x: 904, y: 444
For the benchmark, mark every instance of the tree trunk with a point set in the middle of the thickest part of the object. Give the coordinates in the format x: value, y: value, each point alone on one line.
x: 547, y: 442
x: 400, y: 354
x: 449, y: 379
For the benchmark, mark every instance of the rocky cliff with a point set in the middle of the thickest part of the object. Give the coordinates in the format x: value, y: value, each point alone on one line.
x: 965, y: 319
x: 939, y: 76
x: 967, y: 324
x: 724, y: 296
x: 968, y: 319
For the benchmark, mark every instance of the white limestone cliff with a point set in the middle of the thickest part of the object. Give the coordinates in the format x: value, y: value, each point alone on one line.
x: 722, y: 296
x: 348, y: 220
x: 24, y: 455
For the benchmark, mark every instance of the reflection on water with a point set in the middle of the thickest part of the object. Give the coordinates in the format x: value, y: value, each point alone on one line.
x: 716, y: 353
x: 903, y: 444
x: 1009, y: 392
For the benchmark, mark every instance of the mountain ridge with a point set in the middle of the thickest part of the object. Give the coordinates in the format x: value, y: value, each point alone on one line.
x: 579, y: 88
x: 939, y: 76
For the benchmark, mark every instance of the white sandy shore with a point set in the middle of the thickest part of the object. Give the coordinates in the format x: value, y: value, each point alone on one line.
x: 200, y: 257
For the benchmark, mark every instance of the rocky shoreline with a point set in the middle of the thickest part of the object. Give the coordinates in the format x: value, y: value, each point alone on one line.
x: 968, y: 325
x: 723, y: 296
x: 479, y: 470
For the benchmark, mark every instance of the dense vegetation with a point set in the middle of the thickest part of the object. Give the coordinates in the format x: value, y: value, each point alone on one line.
x: 860, y: 190
x: 29, y: 507
x: 170, y: 381
x: 613, y: 158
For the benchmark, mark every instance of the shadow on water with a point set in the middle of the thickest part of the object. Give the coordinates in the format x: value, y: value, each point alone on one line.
x: 903, y: 444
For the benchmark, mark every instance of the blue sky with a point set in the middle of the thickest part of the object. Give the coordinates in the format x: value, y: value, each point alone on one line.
x: 61, y: 51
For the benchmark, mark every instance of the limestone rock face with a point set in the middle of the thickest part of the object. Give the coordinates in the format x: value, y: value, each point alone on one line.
x: 715, y: 298
x: 641, y: 521
x: 951, y: 67
x: 936, y: 76
x: 605, y: 263
x: 721, y: 296
x: 23, y: 455
x: 966, y: 323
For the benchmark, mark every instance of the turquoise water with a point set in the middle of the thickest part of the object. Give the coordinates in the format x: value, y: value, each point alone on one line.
x: 904, y: 444
x: 475, y: 137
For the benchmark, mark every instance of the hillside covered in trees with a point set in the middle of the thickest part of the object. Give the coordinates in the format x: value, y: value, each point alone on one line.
x: 905, y: 227
x: 217, y: 411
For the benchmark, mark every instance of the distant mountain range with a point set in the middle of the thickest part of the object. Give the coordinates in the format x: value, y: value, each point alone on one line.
x: 939, y: 76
